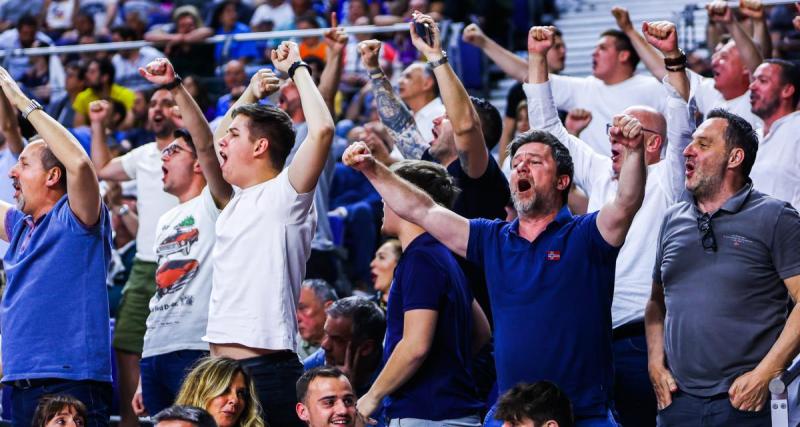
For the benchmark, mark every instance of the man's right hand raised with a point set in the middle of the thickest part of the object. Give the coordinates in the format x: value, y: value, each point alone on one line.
x: 264, y: 83
x: 370, y: 54
x: 663, y: 36
x: 540, y: 40
x: 623, y: 18
x: 99, y: 111
x: 358, y: 157
x: 159, y: 72
x: 474, y: 35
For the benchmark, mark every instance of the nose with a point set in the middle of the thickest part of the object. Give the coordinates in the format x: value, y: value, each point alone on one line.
x: 689, y: 150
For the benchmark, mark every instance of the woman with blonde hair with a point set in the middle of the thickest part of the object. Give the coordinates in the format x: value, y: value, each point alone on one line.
x: 223, y: 388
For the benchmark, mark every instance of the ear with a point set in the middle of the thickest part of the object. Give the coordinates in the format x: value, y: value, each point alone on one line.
x: 196, y: 167
x: 550, y: 423
x: 788, y: 91
x: 327, y: 304
x: 260, y: 147
x: 624, y: 56
x: 735, y: 158
x: 563, y: 182
x: 428, y: 83
x: 302, y: 411
x: 53, y: 176
x: 366, y: 348
x: 653, y: 144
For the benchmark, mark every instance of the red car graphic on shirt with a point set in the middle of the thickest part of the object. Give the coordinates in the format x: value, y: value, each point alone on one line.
x: 181, y: 241
x: 173, y: 275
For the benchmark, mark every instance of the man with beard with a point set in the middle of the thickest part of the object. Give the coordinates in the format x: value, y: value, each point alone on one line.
x: 325, y: 397
x: 717, y: 324
x: 774, y: 94
x: 100, y: 85
x: 54, y: 313
x: 143, y: 165
x: 550, y: 275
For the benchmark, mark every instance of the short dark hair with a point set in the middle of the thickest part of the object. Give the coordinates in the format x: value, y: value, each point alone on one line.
x: 311, y: 375
x: 78, y: 67
x: 309, y: 18
x: 564, y: 164
x: 790, y: 75
x: 50, y: 405
x: 106, y: 68
x: 738, y: 134
x: 539, y: 402
x: 27, y: 20
x: 49, y: 161
x: 267, y: 121
x: 192, y: 414
x: 187, y: 137
x: 125, y: 32
x: 321, y: 288
x: 432, y: 178
x: 428, y: 71
x: 491, y: 122
x: 369, y: 322
x: 623, y: 42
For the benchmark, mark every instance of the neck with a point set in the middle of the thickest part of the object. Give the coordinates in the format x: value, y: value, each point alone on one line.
x: 407, y: 233
x: 712, y: 202
x: 259, y: 176
x: 50, y: 200
x: 783, y: 110
x: 618, y: 76
x: 532, y: 224
x: 193, y: 190
x: 735, y: 91
x: 416, y: 103
x: 163, y: 141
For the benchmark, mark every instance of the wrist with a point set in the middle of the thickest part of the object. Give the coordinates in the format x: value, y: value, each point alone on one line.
x: 434, y: 55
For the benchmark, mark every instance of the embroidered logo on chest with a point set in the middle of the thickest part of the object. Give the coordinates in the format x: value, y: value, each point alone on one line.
x: 737, y: 240
x: 553, y: 255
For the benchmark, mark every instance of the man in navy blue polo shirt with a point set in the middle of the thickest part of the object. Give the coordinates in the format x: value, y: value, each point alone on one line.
x: 550, y: 275
x: 54, y: 313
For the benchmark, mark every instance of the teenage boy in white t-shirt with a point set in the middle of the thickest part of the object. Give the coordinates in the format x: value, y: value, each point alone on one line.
x: 185, y: 236
x: 264, y: 232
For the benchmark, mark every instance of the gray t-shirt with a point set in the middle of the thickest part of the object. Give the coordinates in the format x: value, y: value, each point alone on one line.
x: 725, y: 308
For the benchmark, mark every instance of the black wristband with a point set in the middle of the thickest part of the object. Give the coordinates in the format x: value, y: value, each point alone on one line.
x: 297, y: 65
x: 175, y: 83
x: 680, y: 61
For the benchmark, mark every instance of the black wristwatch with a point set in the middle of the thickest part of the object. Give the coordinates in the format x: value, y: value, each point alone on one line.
x: 297, y: 65
x: 175, y: 83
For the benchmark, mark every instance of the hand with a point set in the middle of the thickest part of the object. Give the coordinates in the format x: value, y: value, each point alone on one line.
x: 474, y: 35
x: 376, y: 145
x: 663, y: 36
x: 12, y: 90
x: 623, y: 18
x: 351, y: 361
x: 176, y: 116
x: 370, y: 51
x: 113, y: 195
x: 752, y: 9
x: 663, y: 384
x: 627, y: 131
x: 138, y: 404
x: 159, y: 72
x: 285, y: 55
x: 749, y: 391
x: 99, y: 111
x: 718, y: 11
x: 540, y: 40
x: 796, y: 20
x: 432, y: 52
x: 577, y: 120
x: 364, y: 408
x: 335, y: 38
x: 358, y: 157
x: 264, y: 83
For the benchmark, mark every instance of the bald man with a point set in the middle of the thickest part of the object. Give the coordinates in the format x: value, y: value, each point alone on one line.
x: 598, y: 175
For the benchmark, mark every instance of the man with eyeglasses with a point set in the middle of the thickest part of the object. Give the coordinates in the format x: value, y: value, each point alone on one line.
x: 598, y: 175
x: 185, y: 237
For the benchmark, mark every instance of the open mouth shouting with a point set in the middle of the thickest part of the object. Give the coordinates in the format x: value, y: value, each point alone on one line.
x: 523, y: 185
x: 17, y: 188
x: 689, y: 168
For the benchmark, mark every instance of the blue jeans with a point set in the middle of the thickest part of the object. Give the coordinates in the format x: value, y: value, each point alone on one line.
x: 95, y: 395
x: 275, y: 377
x: 471, y: 421
x: 634, y: 398
x: 689, y: 410
x: 607, y: 421
x: 163, y: 375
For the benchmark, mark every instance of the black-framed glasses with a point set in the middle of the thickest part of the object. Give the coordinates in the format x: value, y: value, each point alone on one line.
x: 707, y: 238
x: 173, y: 148
x: 609, y: 126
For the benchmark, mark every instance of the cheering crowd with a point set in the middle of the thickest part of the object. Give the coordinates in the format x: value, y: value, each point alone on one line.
x: 349, y: 237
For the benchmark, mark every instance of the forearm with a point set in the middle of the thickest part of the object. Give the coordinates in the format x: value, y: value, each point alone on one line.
x: 632, y: 177
x: 194, y: 119
x: 319, y: 120
x: 679, y: 80
x: 64, y: 146
x: 408, y: 201
x: 398, y: 119
x: 101, y: 155
x: 198, y: 35
x: 654, y: 314
x: 785, y: 348
x: 649, y: 55
x: 510, y: 63
x: 761, y: 37
x: 330, y: 78
x: 404, y: 362
x: 751, y: 56
x: 680, y: 127
x: 9, y: 124
x: 505, y: 139
x: 247, y: 97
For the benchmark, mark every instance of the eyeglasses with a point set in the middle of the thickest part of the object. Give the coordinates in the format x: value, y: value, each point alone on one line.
x: 609, y: 126
x: 173, y: 148
x: 707, y: 238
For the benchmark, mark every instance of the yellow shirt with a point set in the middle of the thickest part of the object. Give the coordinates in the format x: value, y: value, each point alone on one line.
x: 118, y: 93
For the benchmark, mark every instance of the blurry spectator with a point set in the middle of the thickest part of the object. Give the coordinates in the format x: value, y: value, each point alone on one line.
x: 223, y: 388
x: 316, y: 295
x: 541, y: 404
x: 226, y: 21
x: 10, y: 149
x: 139, y: 133
x: 382, y: 268
x: 58, y: 16
x: 124, y: 220
x: 60, y: 107
x: 137, y: 21
x: 100, y: 75
x: 272, y: 13
x: 200, y: 94
x: 127, y: 62
x: 313, y: 45
x: 59, y: 410
x: 102, y: 13
x: 235, y: 82
x: 698, y: 61
x: 83, y: 26
x: 27, y: 35
x: 184, y: 45
x: 325, y: 397
x: 353, y: 10
x: 180, y: 416
x: 354, y: 76
x: 784, y: 26
x: 36, y: 80
x: 11, y: 11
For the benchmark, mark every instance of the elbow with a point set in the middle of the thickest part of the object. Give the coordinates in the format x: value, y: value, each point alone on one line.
x: 465, y: 126
x: 325, y: 131
x: 81, y: 167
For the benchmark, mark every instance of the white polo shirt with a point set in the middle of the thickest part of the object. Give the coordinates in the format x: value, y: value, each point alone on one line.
x: 424, y: 117
x: 263, y: 242
x: 777, y: 167
x: 708, y: 97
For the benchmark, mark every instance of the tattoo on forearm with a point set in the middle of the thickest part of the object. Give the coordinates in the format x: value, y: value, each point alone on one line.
x: 399, y: 120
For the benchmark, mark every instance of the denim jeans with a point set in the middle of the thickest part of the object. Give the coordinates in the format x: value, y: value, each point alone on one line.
x: 275, y: 376
x: 471, y: 421
x: 163, y: 375
x: 689, y: 410
x: 606, y: 421
x: 95, y: 395
x: 634, y: 398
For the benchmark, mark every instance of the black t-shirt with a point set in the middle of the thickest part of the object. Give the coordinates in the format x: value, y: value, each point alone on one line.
x: 516, y: 95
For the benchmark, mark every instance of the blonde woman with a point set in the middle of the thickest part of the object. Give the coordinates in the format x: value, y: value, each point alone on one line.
x: 221, y: 386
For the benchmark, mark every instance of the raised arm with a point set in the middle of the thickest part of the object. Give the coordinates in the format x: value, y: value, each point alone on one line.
x: 754, y: 10
x: 310, y: 159
x: 510, y: 63
x: 83, y: 190
x: 650, y: 56
x: 10, y: 126
x: 409, y: 202
x: 393, y: 112
x: 108, y: 168
x: 663, y: 36
x: 160, y: 72
x: 467, y: 132
x: 616, y: 216
x: 336, y: 40
x: 719, y: 12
